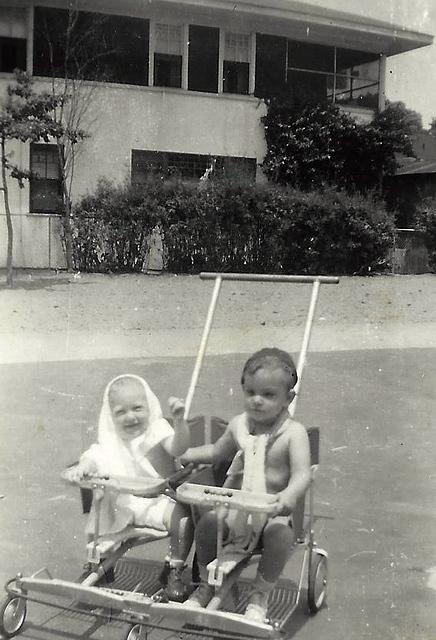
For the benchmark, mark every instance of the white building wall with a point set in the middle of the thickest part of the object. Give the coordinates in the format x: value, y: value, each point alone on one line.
x: 121, y: 118
x: 118, y: 119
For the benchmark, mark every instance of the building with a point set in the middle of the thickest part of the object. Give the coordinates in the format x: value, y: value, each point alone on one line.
x: 414, y: 179
x: 173, y: 86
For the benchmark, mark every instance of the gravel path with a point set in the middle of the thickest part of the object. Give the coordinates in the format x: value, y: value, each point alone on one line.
x: 68, y: 317
x: 94, y: 302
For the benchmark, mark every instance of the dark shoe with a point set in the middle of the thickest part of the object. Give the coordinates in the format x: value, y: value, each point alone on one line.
x: 175, y: 588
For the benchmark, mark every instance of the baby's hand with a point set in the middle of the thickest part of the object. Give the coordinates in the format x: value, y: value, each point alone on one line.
x: 84, y: 468
x: 177, y: 407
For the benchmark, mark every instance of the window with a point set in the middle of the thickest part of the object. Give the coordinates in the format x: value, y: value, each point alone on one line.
x: 315, y: 74
x: 12, y: 54
x: 190, y: 166
x: 101, y: 47
x: 203, y: 59
x: 168, y: 50
x: 309, y: 72
x: 270, y: 65
x: 45, y: 185
x: 357, y: 79
x: 236, y: 65
x: 309, y: 69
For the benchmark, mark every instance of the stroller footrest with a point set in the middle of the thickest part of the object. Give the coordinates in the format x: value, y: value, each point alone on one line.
x: 221, y: 567
x: 109, y: 543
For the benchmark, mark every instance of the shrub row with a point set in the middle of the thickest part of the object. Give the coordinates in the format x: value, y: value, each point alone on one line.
x: 425, y: 222
x: 226, y: 227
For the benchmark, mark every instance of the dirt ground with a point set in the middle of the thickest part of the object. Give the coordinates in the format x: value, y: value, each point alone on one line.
x: 119, y: 303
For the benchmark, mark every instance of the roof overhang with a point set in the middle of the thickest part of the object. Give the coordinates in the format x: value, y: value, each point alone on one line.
x: 417, y: 167
x: 288, y: 18
x: 301, y: 21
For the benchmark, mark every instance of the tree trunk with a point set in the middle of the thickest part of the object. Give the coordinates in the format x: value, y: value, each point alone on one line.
x: 68, y: 234
x: 67, y: 209
x: 9, y: 263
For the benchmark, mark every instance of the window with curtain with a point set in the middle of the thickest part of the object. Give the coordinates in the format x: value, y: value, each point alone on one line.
x: 168, y: 54
x: 236, y: 63
x: 45, y: 182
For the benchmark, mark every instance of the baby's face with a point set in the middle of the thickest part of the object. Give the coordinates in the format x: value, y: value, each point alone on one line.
x: 266, y: 395
x: 129, y: 408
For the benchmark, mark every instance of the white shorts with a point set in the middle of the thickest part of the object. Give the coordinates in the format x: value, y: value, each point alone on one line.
x: 120, y: 511
x: 150, y: 512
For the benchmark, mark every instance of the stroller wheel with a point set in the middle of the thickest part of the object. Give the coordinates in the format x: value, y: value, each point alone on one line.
x: 136, y: 632
x: 12, y: 615
x: 317, y: 586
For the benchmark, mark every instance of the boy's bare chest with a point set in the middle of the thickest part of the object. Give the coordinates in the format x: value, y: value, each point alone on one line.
x: 277, y: 453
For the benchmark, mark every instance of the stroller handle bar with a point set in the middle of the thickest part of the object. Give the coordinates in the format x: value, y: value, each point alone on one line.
x: 253, y: 502
x: 263, y: 277
x: 141, y: 487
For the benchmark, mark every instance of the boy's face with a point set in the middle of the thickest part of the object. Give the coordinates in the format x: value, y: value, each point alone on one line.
x: 129, y: 409
x: 266, y: 395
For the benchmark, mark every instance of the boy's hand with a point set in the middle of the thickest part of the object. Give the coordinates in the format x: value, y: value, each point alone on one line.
x: 184, y: 459
x: 177, y: 407
x: 284, y: 505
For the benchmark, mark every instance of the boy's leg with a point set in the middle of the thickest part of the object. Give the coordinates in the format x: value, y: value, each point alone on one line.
x: 278, y: 540
x: 205, y: 542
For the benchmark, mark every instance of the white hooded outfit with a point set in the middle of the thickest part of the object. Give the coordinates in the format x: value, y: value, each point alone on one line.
x: 114, y: 456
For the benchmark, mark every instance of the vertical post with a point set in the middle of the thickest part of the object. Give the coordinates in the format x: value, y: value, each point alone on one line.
x: 30, y: 31
x: 151, y: 47
x: 382, y: 83
x: 305, y: 343
x: 185, y: 54
x: 252, y: 65
x: 221, y: 50
x: 49, y: 241
x: 203, y: 344
x: 334, y: 75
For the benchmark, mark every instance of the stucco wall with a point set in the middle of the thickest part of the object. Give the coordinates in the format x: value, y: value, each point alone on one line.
x: 120, y: 119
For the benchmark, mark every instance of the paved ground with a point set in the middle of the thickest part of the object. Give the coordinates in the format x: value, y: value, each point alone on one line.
x: 369, y: 385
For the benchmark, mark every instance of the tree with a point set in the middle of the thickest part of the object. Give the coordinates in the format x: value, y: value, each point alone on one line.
x: 319, y: 145
x: 433, y: 127
x: 25, y: 116
x: 407, y: 119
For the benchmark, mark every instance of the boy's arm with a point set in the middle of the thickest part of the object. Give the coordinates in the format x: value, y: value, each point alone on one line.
x: 299, y: 453
x: 223, y: 449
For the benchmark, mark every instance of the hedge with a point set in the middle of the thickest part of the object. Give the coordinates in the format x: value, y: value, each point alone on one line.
x: 244, y: 228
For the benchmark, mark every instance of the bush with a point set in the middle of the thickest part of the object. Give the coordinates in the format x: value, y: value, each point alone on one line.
x: 425, y: 221
x: 111, y: 228
x: 332, y: 232
x: 310, y: 146
x: 226, y: 227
